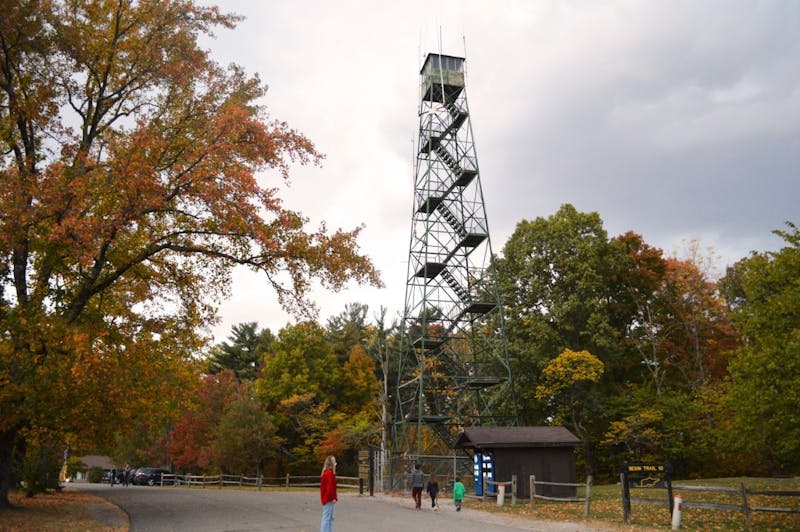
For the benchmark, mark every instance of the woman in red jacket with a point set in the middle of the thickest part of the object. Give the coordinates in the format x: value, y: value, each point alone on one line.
x: 327, y: 493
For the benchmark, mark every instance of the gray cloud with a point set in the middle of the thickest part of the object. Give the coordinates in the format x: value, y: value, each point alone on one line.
x: 677, y: 120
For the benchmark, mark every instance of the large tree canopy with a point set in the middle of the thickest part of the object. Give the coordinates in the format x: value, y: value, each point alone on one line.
x: 557, y: 280
x: 763, y: 292
x: 128, y: 163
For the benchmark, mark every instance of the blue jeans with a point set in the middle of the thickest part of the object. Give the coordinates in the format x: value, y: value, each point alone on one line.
x: 327, y: 517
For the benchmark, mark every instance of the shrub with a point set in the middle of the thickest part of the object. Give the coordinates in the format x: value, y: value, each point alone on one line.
x: 95, y: 474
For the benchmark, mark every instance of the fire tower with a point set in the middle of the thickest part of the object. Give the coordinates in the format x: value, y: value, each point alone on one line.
x: 453, y: 369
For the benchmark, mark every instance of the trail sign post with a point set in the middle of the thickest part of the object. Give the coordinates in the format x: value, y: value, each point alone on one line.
x: 644, y: 475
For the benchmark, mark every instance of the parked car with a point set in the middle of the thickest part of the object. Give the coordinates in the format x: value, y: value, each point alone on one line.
x: 131, y: 474
x: 149, y: 476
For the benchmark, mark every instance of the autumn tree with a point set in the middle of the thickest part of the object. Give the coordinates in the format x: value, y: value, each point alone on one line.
x: 566, y: 387
x: 699, y: 336
x: 246, y: 437
x: 301, y: 382
x: 684, y: 338
x: 355, y: 417
x: 191, y: 440
x: 637, y: 297
x: 128, y: 168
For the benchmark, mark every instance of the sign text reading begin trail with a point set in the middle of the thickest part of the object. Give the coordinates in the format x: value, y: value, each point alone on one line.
x: 646, y: 468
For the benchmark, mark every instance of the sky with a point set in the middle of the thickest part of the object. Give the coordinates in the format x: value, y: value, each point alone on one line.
x: 677, y: 120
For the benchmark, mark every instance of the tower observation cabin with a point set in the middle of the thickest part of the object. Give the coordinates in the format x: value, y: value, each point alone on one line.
x: 442, y: 78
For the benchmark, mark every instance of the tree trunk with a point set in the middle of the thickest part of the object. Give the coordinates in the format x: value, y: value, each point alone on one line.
x: 7, y: 443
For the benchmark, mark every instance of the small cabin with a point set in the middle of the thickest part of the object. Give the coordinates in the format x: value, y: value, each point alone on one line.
x: 546, y: 452
x: 442, y: 78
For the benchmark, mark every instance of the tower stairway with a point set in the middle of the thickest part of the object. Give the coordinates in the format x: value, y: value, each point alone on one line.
x: 457, y: 288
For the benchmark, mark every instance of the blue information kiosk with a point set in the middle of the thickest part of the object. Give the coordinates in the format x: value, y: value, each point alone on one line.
x: 483, y: 466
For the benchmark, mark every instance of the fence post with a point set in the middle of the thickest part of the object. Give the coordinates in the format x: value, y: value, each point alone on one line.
x: 745, y: 506
x: 259, y: 482
x: 626, y: 503
x: 204, y: 481
x: 287, y: 481
x: 360, y: 486
x: 533, y: 491
x: 588, y: 496
x: 484, y: 485
x: 221, y: 481
x: 241, y: 478
x: 513, y: 490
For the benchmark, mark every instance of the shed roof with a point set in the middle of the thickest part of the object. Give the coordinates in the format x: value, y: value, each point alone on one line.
x: 96, y: 460
x: 519, y: 437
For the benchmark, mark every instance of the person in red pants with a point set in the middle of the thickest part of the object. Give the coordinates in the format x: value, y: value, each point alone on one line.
x: 417, y: 485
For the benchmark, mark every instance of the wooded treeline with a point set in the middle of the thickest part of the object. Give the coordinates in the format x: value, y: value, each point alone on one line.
x: 643, y: 356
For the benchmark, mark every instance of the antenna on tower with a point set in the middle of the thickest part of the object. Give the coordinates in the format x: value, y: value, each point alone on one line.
x: 464, y: 41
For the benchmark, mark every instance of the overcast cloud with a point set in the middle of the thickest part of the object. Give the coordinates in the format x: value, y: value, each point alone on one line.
x: 676, y: 120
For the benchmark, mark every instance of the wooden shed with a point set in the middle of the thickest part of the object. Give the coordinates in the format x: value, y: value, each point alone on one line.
x: 547, y: 452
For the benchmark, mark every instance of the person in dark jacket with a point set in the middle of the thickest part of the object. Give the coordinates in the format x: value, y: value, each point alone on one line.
x: 327, y: 493
x: 433, y: 491
x: 417, y: 485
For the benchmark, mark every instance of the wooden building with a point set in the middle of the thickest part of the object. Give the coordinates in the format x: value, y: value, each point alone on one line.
x: 547, y: 452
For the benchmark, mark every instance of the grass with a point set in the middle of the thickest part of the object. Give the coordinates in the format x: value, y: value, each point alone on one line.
x: 51, y: 511
x: 606, y: 507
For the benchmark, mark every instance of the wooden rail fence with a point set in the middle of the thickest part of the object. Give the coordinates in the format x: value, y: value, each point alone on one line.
x: 586, y: 499
x: 501, y: 496
x: 745, y: 507
x: 258, y: 482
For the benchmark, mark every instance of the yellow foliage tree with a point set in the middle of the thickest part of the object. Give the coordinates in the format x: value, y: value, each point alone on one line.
x: 565, y: 381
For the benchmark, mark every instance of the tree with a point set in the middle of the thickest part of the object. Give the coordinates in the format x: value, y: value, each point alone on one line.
x: 763, y: 295
x: 348, y: 329
x: 245, y: 352
x: 557, y: 284
x: 564, y: 386
x: 566, y: 285
x: 381, y: 351
x: 638, y: 286
x: 246, y: 437
x: 302, y: 383
x: 700, y: 335
x: 360, y: 390
x: 127, y: 179
x: 191, y: 442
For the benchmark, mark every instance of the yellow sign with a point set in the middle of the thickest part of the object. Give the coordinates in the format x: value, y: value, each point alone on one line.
x: 646, y: 469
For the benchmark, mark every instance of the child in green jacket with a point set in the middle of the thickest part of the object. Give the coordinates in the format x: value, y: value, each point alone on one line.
x: 458, y: 493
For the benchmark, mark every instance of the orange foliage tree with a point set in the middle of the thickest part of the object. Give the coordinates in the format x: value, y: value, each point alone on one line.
x: 128, y: 162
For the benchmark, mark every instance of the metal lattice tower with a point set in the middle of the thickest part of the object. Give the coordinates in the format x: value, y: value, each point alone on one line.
x: 454, y: 368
